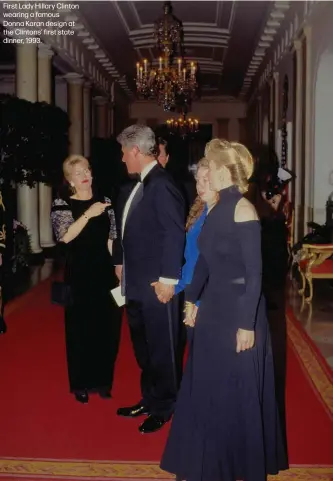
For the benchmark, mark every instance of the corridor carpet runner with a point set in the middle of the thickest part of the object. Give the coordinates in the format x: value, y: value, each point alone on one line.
x: 45, y: 433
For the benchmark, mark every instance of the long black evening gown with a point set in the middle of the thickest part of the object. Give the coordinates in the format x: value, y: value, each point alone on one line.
x: 226, y: 425
x: 93, y: 320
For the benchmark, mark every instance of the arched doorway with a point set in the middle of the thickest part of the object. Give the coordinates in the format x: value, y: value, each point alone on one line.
x: 323, y: 134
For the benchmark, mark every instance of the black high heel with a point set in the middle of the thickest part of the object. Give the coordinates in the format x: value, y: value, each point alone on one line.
x: 82, y: 397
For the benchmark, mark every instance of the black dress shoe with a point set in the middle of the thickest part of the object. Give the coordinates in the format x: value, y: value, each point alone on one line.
x: 3, y: 326
x: 82, y: 397
x: 133, y: 411
x: 152, y: 424
x: 104, y: 393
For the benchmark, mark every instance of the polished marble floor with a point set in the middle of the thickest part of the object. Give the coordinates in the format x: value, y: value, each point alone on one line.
x: 317, y: 318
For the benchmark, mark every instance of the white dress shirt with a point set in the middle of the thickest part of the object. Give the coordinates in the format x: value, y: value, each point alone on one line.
x: 144, y: 173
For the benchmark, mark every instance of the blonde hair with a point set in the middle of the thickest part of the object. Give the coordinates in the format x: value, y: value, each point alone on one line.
x: 245, y: 157
x: 70, y: 162
x: 235, y: 157
x: 198, y: 205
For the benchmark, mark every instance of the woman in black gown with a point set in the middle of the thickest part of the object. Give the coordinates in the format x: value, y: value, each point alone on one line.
x: 226, y: 425
x: 86, y: 224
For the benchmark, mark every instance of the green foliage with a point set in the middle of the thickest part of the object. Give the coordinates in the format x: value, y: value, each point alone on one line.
x: 33, y: 141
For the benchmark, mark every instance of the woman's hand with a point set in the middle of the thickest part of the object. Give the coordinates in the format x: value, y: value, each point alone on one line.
x: 244, y: 340
x: 119, y: 272
x: 190, y: 314
x: 96, y: 209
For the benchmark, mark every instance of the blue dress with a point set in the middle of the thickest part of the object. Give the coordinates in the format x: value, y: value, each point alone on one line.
x: 191, y: 252
x: 226, y: 425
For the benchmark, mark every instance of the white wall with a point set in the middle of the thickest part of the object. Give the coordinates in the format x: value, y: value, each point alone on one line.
x: 322, y: 88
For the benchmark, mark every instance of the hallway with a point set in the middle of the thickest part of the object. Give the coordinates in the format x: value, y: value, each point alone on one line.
x: 45, y: 433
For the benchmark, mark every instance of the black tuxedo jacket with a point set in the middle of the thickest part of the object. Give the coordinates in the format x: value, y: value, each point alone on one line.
x: 153, y: 242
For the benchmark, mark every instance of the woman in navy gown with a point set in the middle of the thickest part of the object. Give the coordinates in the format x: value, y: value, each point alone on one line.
x: 226, y: 426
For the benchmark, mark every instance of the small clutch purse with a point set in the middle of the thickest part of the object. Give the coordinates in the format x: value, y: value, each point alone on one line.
x: 61, y: 294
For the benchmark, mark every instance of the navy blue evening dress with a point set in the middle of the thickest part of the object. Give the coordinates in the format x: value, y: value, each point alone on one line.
x: 226, y: 425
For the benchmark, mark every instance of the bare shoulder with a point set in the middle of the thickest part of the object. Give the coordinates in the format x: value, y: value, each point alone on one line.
x: 245, y: 211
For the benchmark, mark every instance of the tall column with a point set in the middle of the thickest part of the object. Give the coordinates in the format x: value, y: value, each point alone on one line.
x: 308, y: 174
x: 26, y: 88
x: 86, y: 119
x: 259, y: 119
x: 75, y: 112
x: 299, y: 215
x: 277, y: 109
x: 45, y: 191
x: 101, y: 117
x: 110, y: 119
x: 112, y: 108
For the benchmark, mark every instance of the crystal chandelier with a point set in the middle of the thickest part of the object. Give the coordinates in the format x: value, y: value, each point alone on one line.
x: 171, y: 82
x: 183, y: 126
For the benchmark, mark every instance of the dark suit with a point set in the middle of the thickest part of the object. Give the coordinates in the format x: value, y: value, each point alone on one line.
x: 152, y: 247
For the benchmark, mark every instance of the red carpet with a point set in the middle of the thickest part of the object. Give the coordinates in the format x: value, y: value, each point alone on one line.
x: 41, y: 423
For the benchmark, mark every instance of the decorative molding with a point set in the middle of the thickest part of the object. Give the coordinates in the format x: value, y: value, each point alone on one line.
x: 297, y: 44
x: 99, y: 100
x: 122, y: 471
x: 294, y: 30
x: 44, y: 51
x: 7, y: 78
x: 74, y: 78
x: 269, y: 33
x: 197, y: 34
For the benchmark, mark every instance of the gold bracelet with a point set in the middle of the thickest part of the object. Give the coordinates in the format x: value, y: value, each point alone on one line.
x: 188, y: 306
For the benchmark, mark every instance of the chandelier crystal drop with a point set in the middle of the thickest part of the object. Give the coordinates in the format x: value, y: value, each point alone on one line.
x: 172, y: 80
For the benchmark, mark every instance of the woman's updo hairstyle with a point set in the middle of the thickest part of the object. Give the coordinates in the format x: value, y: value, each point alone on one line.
x: 235, y: 157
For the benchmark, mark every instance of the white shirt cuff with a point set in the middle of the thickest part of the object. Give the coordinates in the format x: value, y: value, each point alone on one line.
x: 170, y: 282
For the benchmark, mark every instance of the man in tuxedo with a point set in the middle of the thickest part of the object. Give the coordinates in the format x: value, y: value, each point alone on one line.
x: 149, y: 258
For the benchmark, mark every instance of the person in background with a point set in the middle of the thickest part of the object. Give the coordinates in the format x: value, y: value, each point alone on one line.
x: 181, y: 176
x: 85, y: 223
x: 163, y: 152
x: 205, y: 201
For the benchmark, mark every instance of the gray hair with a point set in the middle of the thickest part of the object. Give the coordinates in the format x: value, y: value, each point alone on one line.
x: 139, y: 136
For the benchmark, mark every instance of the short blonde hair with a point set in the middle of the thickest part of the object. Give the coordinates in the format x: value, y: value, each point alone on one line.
x: 235, y: 157
x: 70, y: 162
